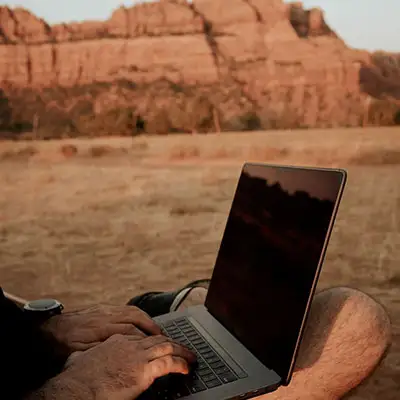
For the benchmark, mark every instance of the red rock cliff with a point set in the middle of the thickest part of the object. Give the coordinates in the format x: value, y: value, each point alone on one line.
x: 262, y: 46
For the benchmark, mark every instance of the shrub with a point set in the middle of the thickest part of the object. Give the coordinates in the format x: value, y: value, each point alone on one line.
x: 383, y: 113
x: 69, y: 150
x: 114, y: 122
x: 397, y: 118
x: 5, y: 112
x: 102, y: 151
x: 248, y: 121
x: 158, y: 122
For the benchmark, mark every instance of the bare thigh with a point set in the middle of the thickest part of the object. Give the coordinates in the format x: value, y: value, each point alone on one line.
x: 346, y: 337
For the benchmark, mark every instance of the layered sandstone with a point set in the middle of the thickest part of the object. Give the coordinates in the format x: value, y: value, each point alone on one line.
x: 177, y: 39
x: 261, y: 46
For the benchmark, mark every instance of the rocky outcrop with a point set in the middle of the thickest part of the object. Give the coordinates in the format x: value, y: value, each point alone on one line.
x: 19, y: 26
x: 272, y: 53
x: 194, y: 42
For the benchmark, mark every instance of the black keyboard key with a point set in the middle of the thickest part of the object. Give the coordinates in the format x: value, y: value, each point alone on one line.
x: 212, y: 358
x: 217, y: 364
x: 221, y: 370
x: 196, y: 387
x: 176, y: 332
x: 172, y: 330
x: 178, y: 338
x: 203, y: 369
x: 197, y: 341
x: 212, y: 384
x: 202, y: 366
x: 201, y: 346
x: 227, y: 378
x: 200, y: 363
x: 183, y: 327
x: 207, y: 354
x: 193, y: 336
x: 209, y: 377
x: 204, y: 372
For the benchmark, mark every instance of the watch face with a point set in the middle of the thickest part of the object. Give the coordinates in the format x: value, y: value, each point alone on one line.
x: 43, y: 305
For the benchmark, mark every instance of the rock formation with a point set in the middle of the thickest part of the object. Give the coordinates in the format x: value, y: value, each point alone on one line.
x: 272, y: 55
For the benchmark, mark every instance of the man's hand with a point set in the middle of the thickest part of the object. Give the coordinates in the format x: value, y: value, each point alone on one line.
x: 121, y: 368
x: 82, y: 330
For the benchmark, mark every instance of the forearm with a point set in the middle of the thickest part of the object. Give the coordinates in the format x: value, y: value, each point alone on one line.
x: 62, y: 388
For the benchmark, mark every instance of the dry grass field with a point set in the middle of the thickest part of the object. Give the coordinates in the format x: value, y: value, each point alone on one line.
x: 101, y: 220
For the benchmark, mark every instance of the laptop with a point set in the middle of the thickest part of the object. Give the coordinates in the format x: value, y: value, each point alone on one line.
x: 248, y: 333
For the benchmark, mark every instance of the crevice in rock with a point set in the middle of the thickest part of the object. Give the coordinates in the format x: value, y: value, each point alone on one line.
x: 256, y: 11
x: 16, y: 22
x: 128, y: 23
x: 3, y: 36
x: 54, y: 61
x: 208, y: 33
x: 29, y: 65
x: 79, y: 75
x: 54, y: 54
x: 217, y: 54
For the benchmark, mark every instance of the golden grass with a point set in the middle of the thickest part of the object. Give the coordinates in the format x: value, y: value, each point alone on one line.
x: 109, y: 227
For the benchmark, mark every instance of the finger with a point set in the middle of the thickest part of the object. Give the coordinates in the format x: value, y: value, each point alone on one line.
x: 79, y: 346
x: 135, y: 316
x: 167, y: 348
x: 101, y: 333
x: 150, y: 341
x: 168, y: 365
x: 129, y: 330
x: 72, y: 358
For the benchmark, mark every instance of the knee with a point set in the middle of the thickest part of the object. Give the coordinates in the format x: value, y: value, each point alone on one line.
x: 358, y: 335
x: 367, y: 321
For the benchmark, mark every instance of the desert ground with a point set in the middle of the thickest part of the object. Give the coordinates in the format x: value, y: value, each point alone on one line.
x: 90, y: 221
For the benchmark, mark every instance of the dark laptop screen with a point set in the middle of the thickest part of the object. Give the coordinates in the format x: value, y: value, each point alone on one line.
x: 269, y: 257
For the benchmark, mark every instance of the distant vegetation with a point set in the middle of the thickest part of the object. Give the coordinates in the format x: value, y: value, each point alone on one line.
x: 124, y: 108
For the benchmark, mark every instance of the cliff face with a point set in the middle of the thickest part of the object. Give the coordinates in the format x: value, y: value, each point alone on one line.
x: 272, y: 54
x: 195, y: 42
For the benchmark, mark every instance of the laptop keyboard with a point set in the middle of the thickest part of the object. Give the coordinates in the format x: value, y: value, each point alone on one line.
x: 211, y: 371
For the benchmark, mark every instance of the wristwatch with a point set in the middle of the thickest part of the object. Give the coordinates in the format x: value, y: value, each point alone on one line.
x: 39, y: 311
